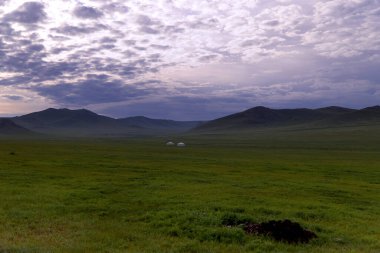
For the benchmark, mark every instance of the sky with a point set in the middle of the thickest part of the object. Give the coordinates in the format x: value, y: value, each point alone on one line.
x: 187, y: 59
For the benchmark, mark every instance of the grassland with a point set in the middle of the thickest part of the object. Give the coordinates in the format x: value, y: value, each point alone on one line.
x: 137, y: 195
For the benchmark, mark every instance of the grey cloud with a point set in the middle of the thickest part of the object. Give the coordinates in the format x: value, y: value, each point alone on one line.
x: 144, y: 20
x: 6, y: 29
x: 58, y: 37
x: 59, y: 50
x: 207, y: 58
x: 129, y: 71
x: 85, y: 12
x: 93, y: 91
x: 25, y: 57
x: 78, y: 30
x: 130, y: 42
x: 116, y: 7
x: 28, y: 13
x: 24, y: 42
x: 352, y: 23
x: 140, y: 48
x: 149, y: 30
x: 173, y: 29
x: 155, y: 58
x: 49, y: 71
x: 161, y: 47
x: 22, y: 59
x: 204, y: 24
x: 272, y: 52
x: 107, y: 40
x: 108, y: 46
x: 36, y: 47
x: 15, y: 81
x: 13, y: 97
x: 147, y: 25
x: 97, y: 77
x: 248, y: 43
x: 272, y: 23
x: 129, y: 53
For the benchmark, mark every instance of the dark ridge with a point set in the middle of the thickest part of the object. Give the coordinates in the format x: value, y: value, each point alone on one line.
x: 368, y: 115
x: 259, y: 117
x: 373, y: 109
x: 61, y: 118
x: 335, y: 110
x: 84, y: 122
x: 262, y: 117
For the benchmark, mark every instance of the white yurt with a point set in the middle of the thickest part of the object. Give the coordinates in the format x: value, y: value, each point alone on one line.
x: 170, y: 143
x: 181, y: 144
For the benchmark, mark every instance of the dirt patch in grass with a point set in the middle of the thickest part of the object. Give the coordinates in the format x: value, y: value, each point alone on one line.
x: 282, y: 230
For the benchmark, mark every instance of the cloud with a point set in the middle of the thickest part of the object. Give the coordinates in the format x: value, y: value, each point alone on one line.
x: 144, y: 20
x: 85, y: 12
x: 27, y: 13
x: 208, y: 58
x: 116, y: 7
x: 93, y: 90
x: 272, y: 23
x: 149, y: 30
x: 77, y: 30
x: 222, y: 56
x: 160, y: 47
x: 3, y: 2
x: 13, y: 97
x: 344, y: 28
x: 6, y: 29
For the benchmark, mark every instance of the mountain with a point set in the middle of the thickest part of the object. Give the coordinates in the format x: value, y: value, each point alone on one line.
x: 148, y: 123
x: 260, y: 117
x: 367, y: 115
x: 68, y: 122
x: 8, y: 127
x: 335, y: 110
x: 62, y: 118
x: 86, y: 123
x: 83, y: 122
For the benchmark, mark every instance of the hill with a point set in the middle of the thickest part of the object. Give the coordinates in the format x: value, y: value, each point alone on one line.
x: 262, y: 117
x: 67, y: 122
x: 62, y: 118
x: 8, y: 127
x: 83, y: 122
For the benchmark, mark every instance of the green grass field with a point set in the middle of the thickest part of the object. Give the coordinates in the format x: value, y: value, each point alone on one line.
x: 140, y: 196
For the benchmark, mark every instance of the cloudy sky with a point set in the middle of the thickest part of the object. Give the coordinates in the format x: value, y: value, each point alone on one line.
x: 187, y: 59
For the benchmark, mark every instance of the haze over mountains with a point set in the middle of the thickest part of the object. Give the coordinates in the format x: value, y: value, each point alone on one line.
x: 86, y: 123
x: 8, y: 127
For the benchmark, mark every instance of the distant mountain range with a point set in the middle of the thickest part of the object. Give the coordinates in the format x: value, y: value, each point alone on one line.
x: 83, y: 122
x: 262, y: 117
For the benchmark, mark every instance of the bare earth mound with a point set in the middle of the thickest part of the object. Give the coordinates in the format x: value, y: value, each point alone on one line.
x: 285, y: 230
